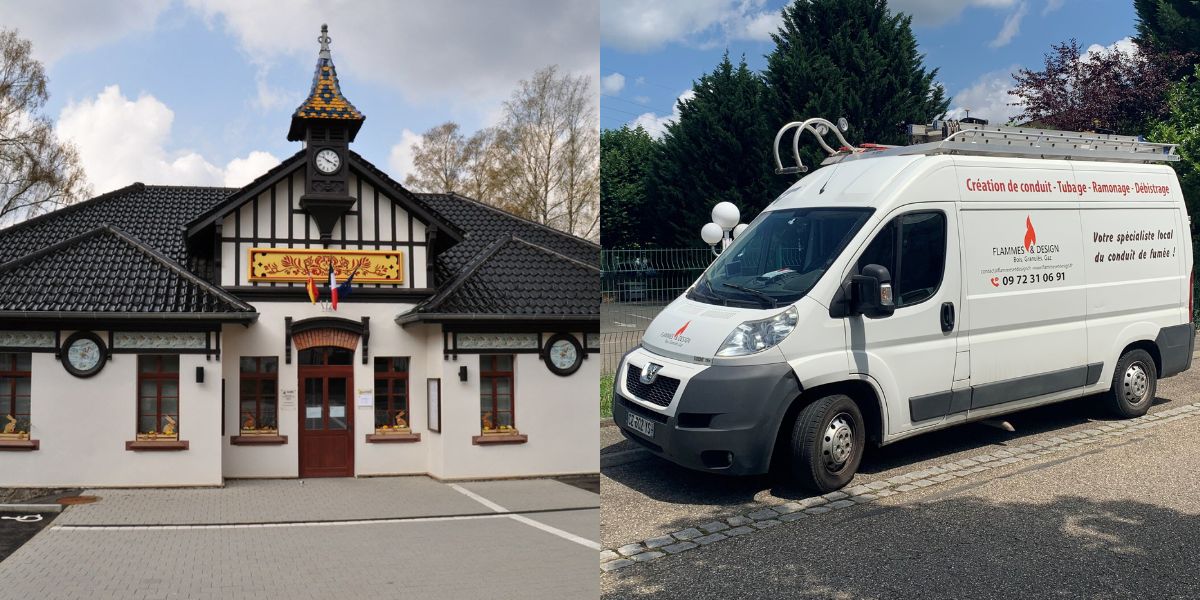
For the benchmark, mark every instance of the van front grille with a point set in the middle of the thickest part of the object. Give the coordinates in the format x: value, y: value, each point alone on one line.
x: 660, y: 393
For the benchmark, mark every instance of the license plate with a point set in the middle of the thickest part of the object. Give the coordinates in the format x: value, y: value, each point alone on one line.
x: 640, y: 424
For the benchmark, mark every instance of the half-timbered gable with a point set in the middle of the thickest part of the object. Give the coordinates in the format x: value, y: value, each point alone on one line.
x: 388, y: 236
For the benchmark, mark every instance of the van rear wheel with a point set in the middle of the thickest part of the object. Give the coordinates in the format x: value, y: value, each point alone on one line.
x: 827, y: 443
x: 1134, y: 383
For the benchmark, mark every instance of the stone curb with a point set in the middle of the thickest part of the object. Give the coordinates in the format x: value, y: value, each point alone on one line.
x: 768, y: 516
x: 31, y: 508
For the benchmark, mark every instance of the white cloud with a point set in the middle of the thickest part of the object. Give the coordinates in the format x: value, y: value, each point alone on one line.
x: 612, y: 83
x: 400, y: 159
x: 1125, y: 45
x: 408, y: 46
x: 61, y: 27
x: 241, y: 171
x: 987, y: 98
x: 655, y: 125
x: 933, y: 13
x: 1011, y: 27
x: 1051, y: 6
x: 646, y: 25
x: 121, y: 141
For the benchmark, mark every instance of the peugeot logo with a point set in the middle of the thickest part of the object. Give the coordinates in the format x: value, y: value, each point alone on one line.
x: 650, y: 373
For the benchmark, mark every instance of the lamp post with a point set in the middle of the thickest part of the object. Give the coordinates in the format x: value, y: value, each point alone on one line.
x: 724, y: 227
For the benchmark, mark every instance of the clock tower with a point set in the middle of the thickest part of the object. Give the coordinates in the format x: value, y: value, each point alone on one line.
x: 326, y: 122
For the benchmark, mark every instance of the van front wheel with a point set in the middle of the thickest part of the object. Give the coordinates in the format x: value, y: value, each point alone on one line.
x: 1134, y: 384
x: 827, y: 443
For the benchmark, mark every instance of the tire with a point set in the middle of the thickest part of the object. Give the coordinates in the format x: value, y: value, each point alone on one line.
x: 827, y: 443
x: 1134, y: 384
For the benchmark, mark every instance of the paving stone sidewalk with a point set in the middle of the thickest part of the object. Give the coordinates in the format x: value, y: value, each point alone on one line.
x: 198, y: 543
x: 292, y: 500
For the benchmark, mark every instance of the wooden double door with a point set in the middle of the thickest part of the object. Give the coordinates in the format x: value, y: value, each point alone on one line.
x: 326, y: 383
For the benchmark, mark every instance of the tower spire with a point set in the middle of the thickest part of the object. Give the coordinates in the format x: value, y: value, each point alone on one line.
x: 325, y: 104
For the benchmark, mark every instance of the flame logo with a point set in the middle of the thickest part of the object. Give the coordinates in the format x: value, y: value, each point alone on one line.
x: 682, y: 329
x: 1030, y: 234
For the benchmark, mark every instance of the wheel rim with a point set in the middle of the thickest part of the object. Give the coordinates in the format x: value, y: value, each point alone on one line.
x: 837, y: 444
x: 1135, y: 385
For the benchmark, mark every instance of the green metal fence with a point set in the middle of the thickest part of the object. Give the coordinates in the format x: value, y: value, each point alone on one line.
x: 650, y: 276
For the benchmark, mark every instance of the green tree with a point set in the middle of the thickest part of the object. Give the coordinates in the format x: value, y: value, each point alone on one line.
x: 718, y: 150
x: 853, y: 59
x: 1168, y: 26
x: 625, y: 156
x: 1182, y: 127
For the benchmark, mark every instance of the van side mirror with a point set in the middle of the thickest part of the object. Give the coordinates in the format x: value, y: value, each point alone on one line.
x: 871, y: 292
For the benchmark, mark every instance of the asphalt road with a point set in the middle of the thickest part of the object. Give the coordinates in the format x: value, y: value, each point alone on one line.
x: 628, y: 316
x: 1113, y: 519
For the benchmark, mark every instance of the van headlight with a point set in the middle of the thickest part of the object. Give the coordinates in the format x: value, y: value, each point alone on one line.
x: 756, y: 336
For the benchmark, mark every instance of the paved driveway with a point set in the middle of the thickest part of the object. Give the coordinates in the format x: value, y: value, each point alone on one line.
x: 1073, y: 505
x: 406, y: 537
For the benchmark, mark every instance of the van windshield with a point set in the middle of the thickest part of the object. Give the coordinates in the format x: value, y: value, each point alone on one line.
x: 779, y: 257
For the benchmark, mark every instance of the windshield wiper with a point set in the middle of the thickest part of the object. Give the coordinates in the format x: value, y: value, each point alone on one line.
x: 711, y: 294
x: 771, y: 301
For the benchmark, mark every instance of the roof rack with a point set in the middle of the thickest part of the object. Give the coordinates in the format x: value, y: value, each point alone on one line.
x: 992, y: 140
x: 979, y: 139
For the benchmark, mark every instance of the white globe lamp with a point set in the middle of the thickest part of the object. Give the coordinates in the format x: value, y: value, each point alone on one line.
x: 711, y: 234
x: 726, y: 215
x: 739, y: 229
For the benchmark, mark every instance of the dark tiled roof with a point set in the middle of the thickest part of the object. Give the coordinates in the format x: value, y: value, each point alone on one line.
x: 153, y: 214
x: 486, y: 224
x: 106, y: 271
x: 513, y: 277
x: 509, y: 265
x: 494, y: 262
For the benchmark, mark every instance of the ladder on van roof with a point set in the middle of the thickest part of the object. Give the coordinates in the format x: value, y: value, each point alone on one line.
x: 956, y: 137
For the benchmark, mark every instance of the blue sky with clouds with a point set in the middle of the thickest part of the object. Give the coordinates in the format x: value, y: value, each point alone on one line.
x: 652, y: 50
x: 201, y: 91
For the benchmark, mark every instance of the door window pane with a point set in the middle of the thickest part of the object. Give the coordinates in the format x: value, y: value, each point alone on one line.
x: 314, y: 402
x: 917, y: 274
x: 337, y: 403
x: 922, y: 257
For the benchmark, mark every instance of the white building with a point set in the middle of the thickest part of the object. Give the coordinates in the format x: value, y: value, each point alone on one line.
x: 164, y: 335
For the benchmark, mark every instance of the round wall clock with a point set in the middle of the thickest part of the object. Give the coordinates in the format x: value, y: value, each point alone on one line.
x: 328, y: 161
x: 563, y: 354
x: 83, y: 354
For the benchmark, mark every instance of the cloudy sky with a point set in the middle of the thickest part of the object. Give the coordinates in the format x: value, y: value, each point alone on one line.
x: 652, y: 50
x: 201, y: 91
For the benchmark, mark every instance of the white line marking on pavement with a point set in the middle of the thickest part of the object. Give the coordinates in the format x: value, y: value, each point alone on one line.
x: 269, y: 525
x: 566, y: 535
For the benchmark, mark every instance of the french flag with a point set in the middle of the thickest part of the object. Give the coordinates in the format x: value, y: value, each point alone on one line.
x: 333, y: 287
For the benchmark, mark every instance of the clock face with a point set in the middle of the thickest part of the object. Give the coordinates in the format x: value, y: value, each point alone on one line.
x: 563, y: 354
x: 84, y: 355
x: 328, y: 161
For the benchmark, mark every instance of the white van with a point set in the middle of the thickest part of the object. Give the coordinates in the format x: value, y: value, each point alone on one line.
x: 907, y: 289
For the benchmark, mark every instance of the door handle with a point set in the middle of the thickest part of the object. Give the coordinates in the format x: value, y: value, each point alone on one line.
x: 947, y: 316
